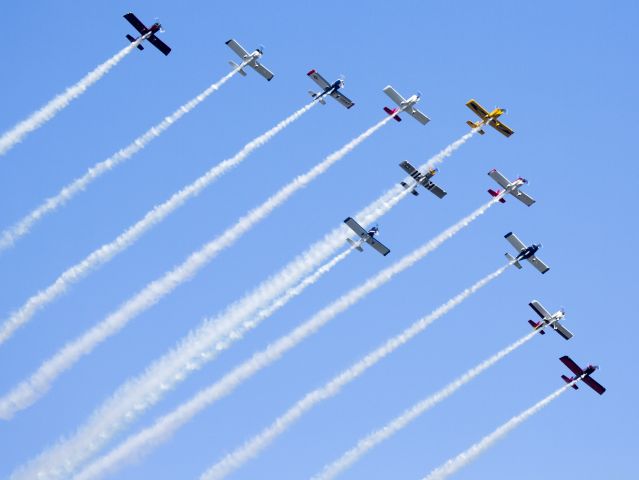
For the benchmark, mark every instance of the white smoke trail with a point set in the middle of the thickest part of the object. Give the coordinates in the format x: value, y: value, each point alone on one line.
x: 365, y: 444
x: 139, y: 393
x: 454, y: 464
x: 165, y: 426
x: 38, y: 383
x: 23, y: 226
x: 251, y: 448
x: 158, y: 213
x: 448, y: 151
x: 12, y: 137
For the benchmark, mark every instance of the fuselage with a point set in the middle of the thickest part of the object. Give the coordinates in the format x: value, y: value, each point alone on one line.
x: 409, y: 102
x: 528, y: 252
x: 331, y: 88
x: 494, y: 115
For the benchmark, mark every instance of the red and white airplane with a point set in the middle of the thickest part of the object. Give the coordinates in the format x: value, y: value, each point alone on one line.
x: 549, y: 320
x: 581, y: 374
x: 147, y: 33
x: 405, y: 104
x: 510, y: 187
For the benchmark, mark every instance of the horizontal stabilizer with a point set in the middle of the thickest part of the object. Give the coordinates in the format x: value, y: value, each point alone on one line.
x: 405, y: 185
x: 235, y: 65
x: 131, y: 39
x: 537, y: 326
x: 495, y: 193
x: 568, y: 380
x: 392, y: 112
x: 512, y: 259
x: 357, y: 246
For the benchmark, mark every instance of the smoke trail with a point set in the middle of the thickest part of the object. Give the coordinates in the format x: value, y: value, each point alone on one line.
x: 454, y: 464
x: 252, y: 447
x: 448, y: 151
x: 35, y: 386
x: 9, y: 139
x: 165, y: 426
x: 158, y: 213
x: 365, y: 444
x: 139, y: 393
x: 22, y: 227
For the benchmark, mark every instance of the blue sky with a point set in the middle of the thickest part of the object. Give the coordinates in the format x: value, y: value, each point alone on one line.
x: 566, y: 72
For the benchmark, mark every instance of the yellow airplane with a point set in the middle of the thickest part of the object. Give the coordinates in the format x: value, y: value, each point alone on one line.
x: 488, y: 118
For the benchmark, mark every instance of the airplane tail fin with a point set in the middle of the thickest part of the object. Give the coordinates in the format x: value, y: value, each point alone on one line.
x: 474, y: 125
x: 568, y: 380
x: 392, y: 113
x: 235, y: 65
x: 131, y: 39
x: 537, y: 326
x: 512, y: 259
x: 405, y: 185
x: 495, y: 193
x: 315, y: 95
x: 357, y: 246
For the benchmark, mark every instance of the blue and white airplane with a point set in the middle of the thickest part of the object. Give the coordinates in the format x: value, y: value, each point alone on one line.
x: 365, y: 236
x: 525, y: 253
x: 329, y: 89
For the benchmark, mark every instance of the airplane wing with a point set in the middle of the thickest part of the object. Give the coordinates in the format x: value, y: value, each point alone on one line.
x: 539, y: 309
x: 538, y: 264
x: 159, y: 44
x: 480, y: 111
x: 433, y: 188
x: 262, y: 70
x: 574, y: 368
x: 317, y: 78
x: 594, y: 385
x: 501, y: 128
x: 514, y: 241
x: 499, y: 178
x: 419, y: 116
x: 392, y: 93
x: 523, y: 197
x: 136, y: 23
x: 237, y: 48
x: 408, y: 168
x: 561, y: 330
x: 356, y: 227
x: 344, y: 100
x: 379, y: 246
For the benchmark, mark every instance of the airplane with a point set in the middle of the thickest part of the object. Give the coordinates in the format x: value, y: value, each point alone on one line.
x: 365, y: 236
x: 329, y: 89
x: 488, y: 118
x: 583, y: 375
x: 249, y: 59
x: 525, y: 253
x: 548, y: 319
x: 404, y: 105
x: 423, y: 179
x: 147, y: 34
x: 510, y: 187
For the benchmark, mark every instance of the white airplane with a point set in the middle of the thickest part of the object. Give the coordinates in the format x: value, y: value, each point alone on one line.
x: 249, y: 59
x: 404, y: 105
x: 365, y: 236
x: 525, y: 253
x: 510, y: 187
x: 423, y: 179
x: 550, y: 320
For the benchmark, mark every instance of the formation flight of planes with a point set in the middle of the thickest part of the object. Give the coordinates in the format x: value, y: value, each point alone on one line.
x: 416, y: 179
